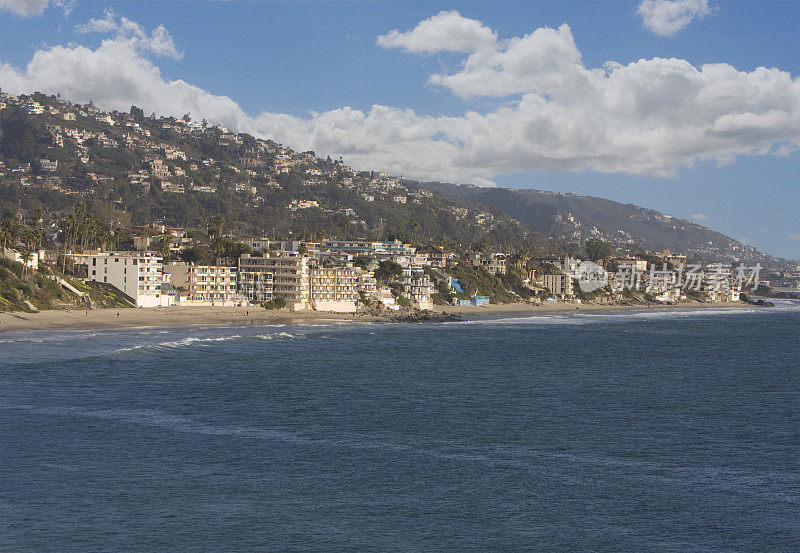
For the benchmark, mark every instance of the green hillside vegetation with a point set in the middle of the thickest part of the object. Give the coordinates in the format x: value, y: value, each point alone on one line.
x: 28, y: 290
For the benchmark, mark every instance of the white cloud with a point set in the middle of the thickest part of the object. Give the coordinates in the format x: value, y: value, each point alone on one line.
x: 667, y: 17
x: 699, y: 217
x: 25, y: 8
x: 447, y: 30
x: 795, y: 236
x: 159, y: 42
x: 649, y: 117
x: 116, y: 76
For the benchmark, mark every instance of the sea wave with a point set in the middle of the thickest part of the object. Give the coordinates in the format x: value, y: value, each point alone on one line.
x: 573, y: 319
x: 277, y: 335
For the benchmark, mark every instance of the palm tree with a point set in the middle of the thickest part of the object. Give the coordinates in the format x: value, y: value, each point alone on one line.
x: 68, y: 228
x: 13, y: 229
x: 343, y: 226
x: 39, y: 216
x: 518, y: 259
x: 166, y: 242
x: 4, y: 236
x: 26, y: 257
x: 218, y: 223
x: 414, y: 225
x: 118, y: 237
x: 218, y: 248
x: 144, y: 234
x: 30, y: 238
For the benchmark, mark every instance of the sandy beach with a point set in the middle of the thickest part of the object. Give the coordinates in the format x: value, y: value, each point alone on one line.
x: 190, y: 316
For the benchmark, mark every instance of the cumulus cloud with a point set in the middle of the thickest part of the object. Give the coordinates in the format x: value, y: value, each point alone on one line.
x: 25, y: 8
x: 159, y: 41
x: 648, y: 117
x: 116, y: 76
x: 667, y: 17
x: 444, y: 31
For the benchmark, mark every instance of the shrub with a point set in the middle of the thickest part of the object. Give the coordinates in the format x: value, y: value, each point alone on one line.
x: 275, y: 303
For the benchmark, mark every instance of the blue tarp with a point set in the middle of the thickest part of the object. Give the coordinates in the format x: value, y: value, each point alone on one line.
x: 456, y: 286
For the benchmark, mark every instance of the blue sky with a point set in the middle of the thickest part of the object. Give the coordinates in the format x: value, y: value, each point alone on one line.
x: 277, y: 62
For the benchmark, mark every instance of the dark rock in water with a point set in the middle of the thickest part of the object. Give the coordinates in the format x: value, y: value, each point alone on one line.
x: 425, y: 316
x: 759, y: 302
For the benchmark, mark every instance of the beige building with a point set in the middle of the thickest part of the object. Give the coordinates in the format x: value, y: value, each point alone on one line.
x: 559, y: 285
x: 334, y: 288
x: 302, y: 283
x: 283, y: 276
x: 201, y: 285
x: 159, y: 169
x: 492, y: 262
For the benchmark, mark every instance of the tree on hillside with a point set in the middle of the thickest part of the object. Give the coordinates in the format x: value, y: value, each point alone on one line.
x: 26, y: 257
x: 137, y: 113
x: 598, y: 249
x: 166, y: 242
x: 143, y: 235
x: 388, y: 270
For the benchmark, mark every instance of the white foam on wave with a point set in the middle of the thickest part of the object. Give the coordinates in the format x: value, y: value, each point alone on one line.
x: 189, y: 340
x: 45, y: 336
x: 573, y: 319
x: 277, y: 335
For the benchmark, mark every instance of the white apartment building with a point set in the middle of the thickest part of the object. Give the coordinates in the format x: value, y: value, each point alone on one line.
x: 419, y: 290
x: 139, y: 275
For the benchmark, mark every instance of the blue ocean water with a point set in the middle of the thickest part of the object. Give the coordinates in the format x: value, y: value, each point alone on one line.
x: 664, y: 431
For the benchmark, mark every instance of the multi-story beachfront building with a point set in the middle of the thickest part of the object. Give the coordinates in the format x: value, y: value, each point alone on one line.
x: 205, y: 284
x: 302, y: 283
x: 283, y: 276
x: 560, y: 286
x: 334, y: 288
x: 419, y: 290
x: 136, y: 274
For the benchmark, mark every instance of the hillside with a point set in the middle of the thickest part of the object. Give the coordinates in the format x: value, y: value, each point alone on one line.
x: 132, y: 169
x: 582, y: 217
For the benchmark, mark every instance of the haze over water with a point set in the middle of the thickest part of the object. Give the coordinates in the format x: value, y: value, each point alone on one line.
x: 665, y: 431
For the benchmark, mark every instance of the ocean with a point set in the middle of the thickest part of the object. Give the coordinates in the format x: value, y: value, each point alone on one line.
x: 652, y: 431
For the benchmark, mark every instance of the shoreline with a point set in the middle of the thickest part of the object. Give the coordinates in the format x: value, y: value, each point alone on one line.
x: 110, y: 318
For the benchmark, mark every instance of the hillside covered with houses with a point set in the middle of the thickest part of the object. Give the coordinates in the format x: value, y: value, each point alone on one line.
x: 151, y: 212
